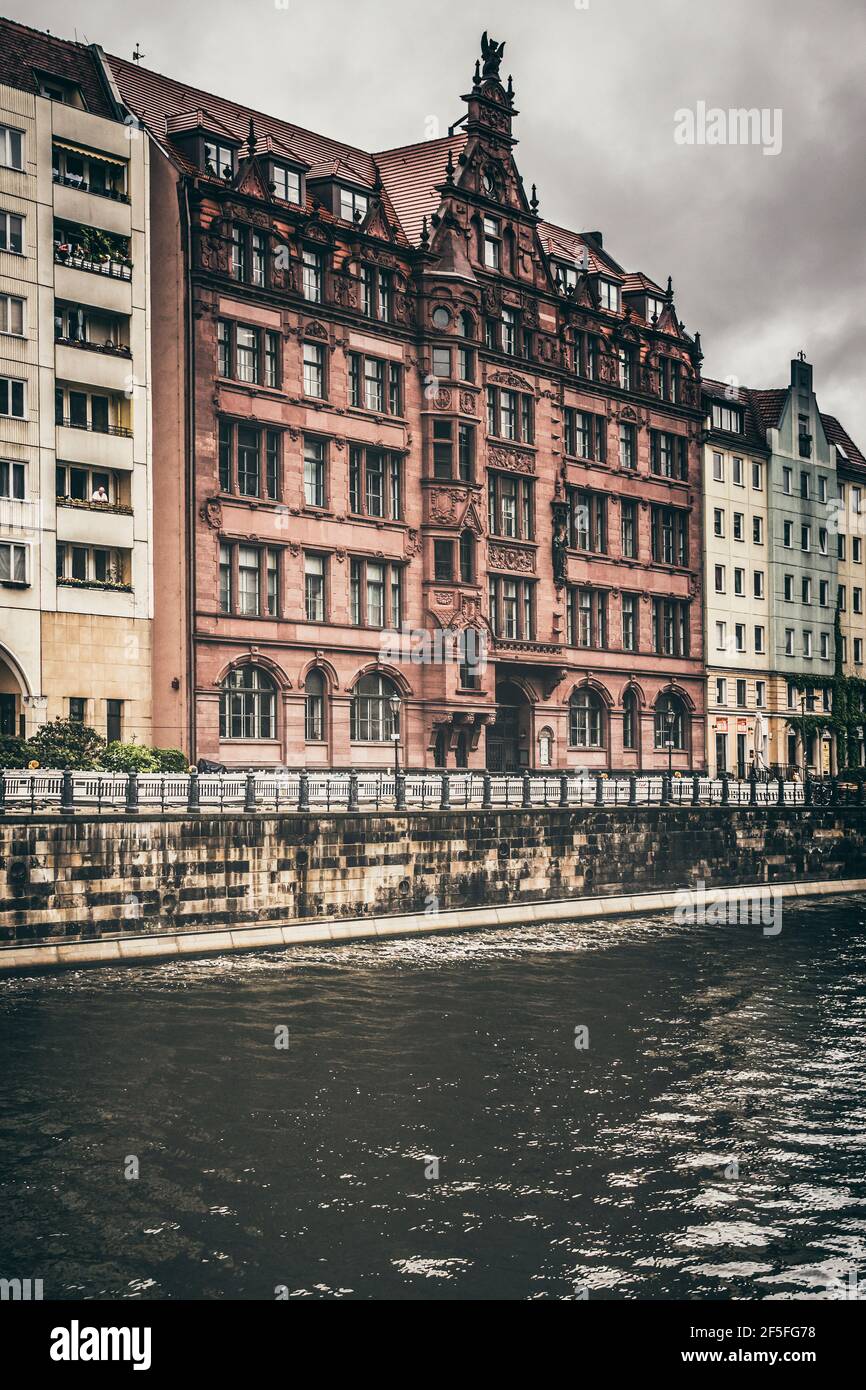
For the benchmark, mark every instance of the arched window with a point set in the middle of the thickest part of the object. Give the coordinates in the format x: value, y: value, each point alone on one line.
x: 586, y: 722
x: 671, y: 722
x: 465, y: 325
x: 629, y: 721
x: 248, y: 704
x: 314, y: 708
x: 372, y: 716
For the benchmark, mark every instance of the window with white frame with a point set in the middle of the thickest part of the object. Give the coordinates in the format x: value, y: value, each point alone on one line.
x: 13, y: 397
x: 13, y: 479
x: 608, y: 292
x: 11, y: 147
x: 14, y: 567
x: 12, y: 315
x: 12, y: 233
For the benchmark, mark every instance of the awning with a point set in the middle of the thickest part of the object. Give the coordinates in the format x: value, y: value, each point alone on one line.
x: 89, y: 154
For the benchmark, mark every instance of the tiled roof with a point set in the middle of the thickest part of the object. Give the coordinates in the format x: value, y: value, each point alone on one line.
x: 754, y: 429
x: 154, y: 97
x: 842, y: 439
x: 559, y: 241
x: 410, y: 175
x: 23, y: 49
x: 763, y: 411
x: 636, y: 283
x: 769, y: 405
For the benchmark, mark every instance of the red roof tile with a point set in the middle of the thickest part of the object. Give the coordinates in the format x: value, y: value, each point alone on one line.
x: 410, y: 173
x: 839, y: 436
x: 23, y: 49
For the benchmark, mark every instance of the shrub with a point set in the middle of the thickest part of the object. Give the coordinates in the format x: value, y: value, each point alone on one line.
x: 129, y: 757
x: 66, y: 743
x: 171, y: 760
x: 13, y: 751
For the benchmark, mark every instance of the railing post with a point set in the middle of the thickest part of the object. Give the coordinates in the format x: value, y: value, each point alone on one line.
x: 807, y: 792
x: 726, y: 790
x: 131, y: 806
x: 780, y: 790
x: 861, y: 789
x: 487, y: 792
x: 696, y: 789
x: 400, y: 791
x: 353, y: 791
x: 667, y: 789
x: 2, y: 792
x: 753, y: 787
x: 67, y: 791
x: 632, y: 789
x: 445, y: 799
x: 563, y: 789
x: 527, y: 790
x: 193, y: 792
x: 599, y: 790
x: 303, y: 790
x: 250, y: 792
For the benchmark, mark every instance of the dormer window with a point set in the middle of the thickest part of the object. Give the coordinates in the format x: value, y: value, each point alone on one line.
x: 353, y: 205
x: 58, y: 89
x: 287, y: 183
x: 566, y: 274
x: 728, y: 418
x: 653, y: 308
x: 218, y: 160
x: 609, y: 295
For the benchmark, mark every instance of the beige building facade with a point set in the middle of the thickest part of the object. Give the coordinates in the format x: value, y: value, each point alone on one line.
x: 76, y: 582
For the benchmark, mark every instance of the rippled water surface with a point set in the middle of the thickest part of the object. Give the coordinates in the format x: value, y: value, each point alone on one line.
x: 708, y: 1143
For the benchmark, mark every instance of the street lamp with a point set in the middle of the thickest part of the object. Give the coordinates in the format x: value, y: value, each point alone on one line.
x: 670, y: 716
x: 394, y: 702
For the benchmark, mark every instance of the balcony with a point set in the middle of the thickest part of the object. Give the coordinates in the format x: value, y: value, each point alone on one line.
x: 20, y: 514
x: 114, y: 268
x: 95, y: 367
x: 109, y: 448
x: 95, y: 525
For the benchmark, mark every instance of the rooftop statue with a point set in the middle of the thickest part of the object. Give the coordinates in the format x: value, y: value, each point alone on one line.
x: 491, y: 52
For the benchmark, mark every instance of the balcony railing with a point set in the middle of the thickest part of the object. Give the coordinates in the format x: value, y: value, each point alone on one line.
x: 78, y: 181
x: 20, y: 513
x: 71, y: 424
x: 32, y: 791
x: 116, y: 270
x: 110, y: 348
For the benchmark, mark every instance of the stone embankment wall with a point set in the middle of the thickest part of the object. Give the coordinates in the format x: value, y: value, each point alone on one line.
x: 83, y: 877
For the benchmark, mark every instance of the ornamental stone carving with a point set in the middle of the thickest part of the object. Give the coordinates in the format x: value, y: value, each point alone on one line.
x: 512, y: 379
x: 211, y: 513
x: 443, y: 504
x: 512, y: 460
x: 510, y: 557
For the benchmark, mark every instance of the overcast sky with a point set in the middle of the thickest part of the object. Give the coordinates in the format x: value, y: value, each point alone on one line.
x: 766, y: 252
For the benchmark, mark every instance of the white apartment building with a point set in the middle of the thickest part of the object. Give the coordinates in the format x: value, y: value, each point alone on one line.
x: 76, y: 579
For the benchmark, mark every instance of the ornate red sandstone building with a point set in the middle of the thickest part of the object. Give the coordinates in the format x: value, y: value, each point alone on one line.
x: 390, y: 398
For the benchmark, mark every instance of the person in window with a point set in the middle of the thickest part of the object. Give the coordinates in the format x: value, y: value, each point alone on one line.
x: 99, y: 494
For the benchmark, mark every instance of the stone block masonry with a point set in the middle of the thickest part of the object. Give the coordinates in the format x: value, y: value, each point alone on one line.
x: 76, y: 879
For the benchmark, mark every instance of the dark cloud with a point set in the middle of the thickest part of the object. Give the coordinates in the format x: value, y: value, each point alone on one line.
x: 766, y: 253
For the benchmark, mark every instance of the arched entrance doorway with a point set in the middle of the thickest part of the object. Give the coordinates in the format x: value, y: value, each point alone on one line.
x: 11, y: 705
x: 508, y: 739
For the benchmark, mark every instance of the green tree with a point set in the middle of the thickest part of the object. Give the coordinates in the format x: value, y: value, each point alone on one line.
x: 66, y: 743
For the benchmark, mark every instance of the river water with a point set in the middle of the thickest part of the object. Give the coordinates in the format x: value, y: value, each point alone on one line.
x: 283, y: 1113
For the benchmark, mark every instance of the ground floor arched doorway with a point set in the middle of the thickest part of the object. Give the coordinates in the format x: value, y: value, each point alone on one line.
x: 11, y: 701
x: 508, y: 737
